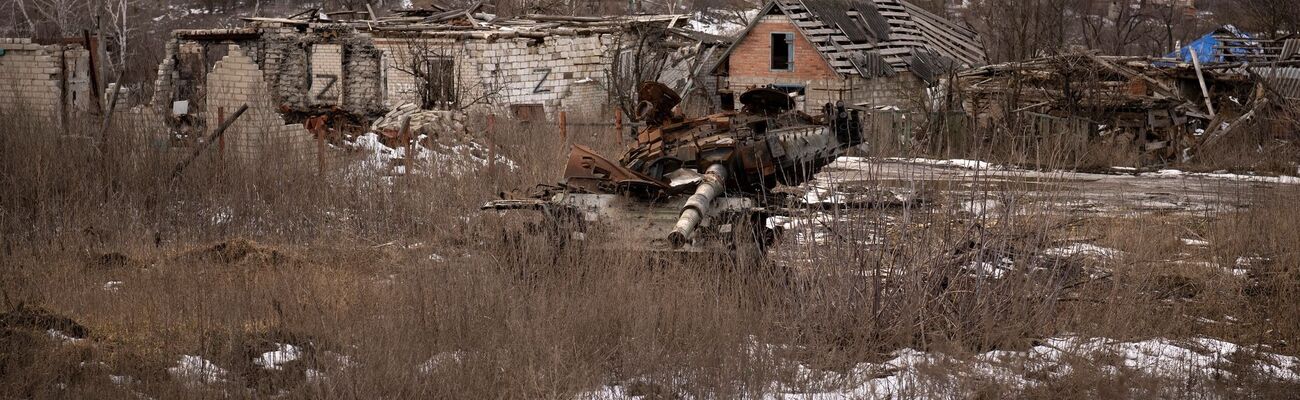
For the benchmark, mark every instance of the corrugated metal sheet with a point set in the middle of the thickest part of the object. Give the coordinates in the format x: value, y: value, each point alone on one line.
x: 870, y: 64
x: 1284, y: 80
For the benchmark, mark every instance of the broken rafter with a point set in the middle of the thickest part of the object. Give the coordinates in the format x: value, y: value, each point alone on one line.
x: 1168, y: 91
x: 569, y: 18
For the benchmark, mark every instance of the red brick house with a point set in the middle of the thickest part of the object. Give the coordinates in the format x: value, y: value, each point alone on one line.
x: 864, y: 52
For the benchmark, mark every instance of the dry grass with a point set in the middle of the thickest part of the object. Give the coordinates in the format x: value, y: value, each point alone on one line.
x: 405, y: 290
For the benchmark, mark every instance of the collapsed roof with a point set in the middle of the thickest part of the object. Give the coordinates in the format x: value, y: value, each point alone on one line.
x: 475, y: 22
x: 876, y: 38
x: 1229, y: 44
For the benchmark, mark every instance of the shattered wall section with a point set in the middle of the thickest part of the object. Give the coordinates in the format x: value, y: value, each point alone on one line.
x: 45, y: 81
x: 364, y: 77
x: 260, y: 134
x: 165, y: 84
x: 284, y: 57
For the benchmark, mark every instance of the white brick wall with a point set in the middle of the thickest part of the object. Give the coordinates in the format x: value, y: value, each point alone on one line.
x: 559, y: 73
x: 260, y: 133
x: 30, y: 79
x: 326, y: 74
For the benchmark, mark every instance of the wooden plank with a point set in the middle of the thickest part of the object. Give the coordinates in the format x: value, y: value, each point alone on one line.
x: 221, y: 129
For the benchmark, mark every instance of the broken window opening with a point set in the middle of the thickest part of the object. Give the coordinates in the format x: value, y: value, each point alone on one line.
x: 782, y: 51
x: 528, y: 112
x: 438, y: 86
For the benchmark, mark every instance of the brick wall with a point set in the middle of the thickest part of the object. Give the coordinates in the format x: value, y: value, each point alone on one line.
x: 750, y: 67
x: 752, y: 56
x: 326, y: 75
x: 32, y: 79
x: 904, y: 91
x: 559, y: 72
x: 260, y: 133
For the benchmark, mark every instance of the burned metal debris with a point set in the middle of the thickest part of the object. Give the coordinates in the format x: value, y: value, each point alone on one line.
x: 695, y: 184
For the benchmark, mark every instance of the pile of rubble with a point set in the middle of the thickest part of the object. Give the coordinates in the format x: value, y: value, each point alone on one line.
x: 436, y: 141
x: 1164, y: 107
x: 430, y: 122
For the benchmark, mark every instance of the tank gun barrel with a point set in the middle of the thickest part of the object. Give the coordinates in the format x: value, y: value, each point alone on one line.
x: 711, y: 185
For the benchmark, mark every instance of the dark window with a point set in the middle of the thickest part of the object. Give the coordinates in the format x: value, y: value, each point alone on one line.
x: 439, y: 83
x: 782, y: 51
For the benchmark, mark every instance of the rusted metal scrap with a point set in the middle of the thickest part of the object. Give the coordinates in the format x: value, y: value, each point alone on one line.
x: 695, y: 184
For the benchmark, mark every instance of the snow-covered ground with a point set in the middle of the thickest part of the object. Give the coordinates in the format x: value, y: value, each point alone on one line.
x: 1190, y: 365
x: 866, y: 163
x: 457, y: 159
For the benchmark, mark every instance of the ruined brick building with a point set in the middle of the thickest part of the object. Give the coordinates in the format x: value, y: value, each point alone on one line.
x: 48, y: 81
x: 864, y: 52
x: 453, y: 59
x: 316, y: 74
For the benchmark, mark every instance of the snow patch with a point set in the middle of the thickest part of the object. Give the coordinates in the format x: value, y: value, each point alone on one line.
x: 60, y: 336
x: 1174, y: 173
x: 1189, y: 362
x: 196, y: 369
x: 458, y: 159
x: 1084, y: 249
x: 284, y: 353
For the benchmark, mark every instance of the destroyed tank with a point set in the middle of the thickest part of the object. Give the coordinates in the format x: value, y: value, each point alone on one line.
x: 701, y: 184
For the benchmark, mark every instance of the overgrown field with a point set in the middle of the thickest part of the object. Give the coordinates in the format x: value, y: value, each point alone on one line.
x: 263, y: 279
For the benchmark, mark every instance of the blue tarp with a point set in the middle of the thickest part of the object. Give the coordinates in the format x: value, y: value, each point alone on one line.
x: 1206, y: 51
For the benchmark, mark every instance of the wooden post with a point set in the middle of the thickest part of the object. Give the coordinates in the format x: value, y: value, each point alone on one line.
x: 406, y: 135
x: 176, y: 173
x: 564, y: 131
x: 492, y: 147
x: 221, y: 140
x: 320, y: 152
x: 618, y: 124
x: 94, y: 71
x: 1205, y: 91
x: 112, y: 105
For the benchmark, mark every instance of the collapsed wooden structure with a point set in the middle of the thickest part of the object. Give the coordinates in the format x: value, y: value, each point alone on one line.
x: 1168, y: 109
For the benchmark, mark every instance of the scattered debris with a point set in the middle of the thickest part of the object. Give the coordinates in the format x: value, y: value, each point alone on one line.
x: 1168, y: 109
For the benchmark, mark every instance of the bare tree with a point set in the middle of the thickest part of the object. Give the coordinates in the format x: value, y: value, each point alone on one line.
x: 1114, y: 26
x: 440, y: 82
x: 636, y: 56
x: 66, y: 16
x: 1272, y: 18
x: 1017, y: 30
